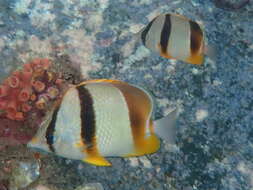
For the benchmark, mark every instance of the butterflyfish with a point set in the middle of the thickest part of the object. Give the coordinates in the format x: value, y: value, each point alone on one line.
x: 103, y: 118
x: 175, y: 37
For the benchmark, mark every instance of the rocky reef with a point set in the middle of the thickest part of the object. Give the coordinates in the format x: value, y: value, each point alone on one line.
x: 79, y: 40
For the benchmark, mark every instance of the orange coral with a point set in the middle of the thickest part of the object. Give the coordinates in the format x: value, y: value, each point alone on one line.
x: 33, y: 97
x: 42, y: 102
x: 38, y: 86
x: 24, y: 95
x: 26, y: 107
x: 50, y: 76
x: 32, y: 86
x: 26, y: 74
x: 58, y: 81
x: 3, y: 104
x: 13, y: 81
x: 19, y: 116
x: 4, y: 90
x: 11, y: 109
x: 53, y: 92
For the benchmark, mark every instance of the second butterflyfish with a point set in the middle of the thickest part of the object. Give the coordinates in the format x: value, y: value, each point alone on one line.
x: 175, y: 37
x: 103, y: 118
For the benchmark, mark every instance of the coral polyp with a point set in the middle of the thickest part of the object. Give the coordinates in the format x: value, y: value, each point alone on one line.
x: 13, y: 81
x: 25, y: 107
x: 42, y: 102
x: 38, y: 86
x: 24, y: 94
x: 30, y: 88
x: 53, y: 92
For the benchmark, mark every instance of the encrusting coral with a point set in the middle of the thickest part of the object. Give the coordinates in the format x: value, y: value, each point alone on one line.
x: 25, y: 97
x: 32, y: 87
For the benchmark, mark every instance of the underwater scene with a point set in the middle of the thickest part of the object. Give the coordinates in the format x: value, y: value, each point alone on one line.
x: 126, y: 95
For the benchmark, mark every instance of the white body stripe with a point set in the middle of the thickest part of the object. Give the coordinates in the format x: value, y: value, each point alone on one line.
x: 179, y: 41
x: 68, y: 127
x: 113, y: 130
x: 154, y: 34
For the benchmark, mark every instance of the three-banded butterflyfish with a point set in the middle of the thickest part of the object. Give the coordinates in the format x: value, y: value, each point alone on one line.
x: 103, y: 118
x: 174, y: 37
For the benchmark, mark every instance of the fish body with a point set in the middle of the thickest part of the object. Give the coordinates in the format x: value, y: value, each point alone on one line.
x: 98, y: 119
x: 175, y: 37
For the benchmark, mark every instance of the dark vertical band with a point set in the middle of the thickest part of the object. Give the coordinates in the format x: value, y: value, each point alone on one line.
x: 50, y: 131
x: 196, y: 37
x: 145, y: 31
x: 87, y: 116
x: 165, y: 33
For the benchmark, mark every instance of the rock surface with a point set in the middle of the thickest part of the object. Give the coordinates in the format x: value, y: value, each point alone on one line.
x: 214, y: 140
x: 23, y: 174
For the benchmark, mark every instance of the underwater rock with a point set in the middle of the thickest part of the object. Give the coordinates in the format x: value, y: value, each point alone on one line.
x: 11, y: 133
x: 40, y: 187
x: 70, y: 72
x: 145, y: 161
x: 208, y: 150
x: 4, y: 185
x: 91, y: 186
x: 231, y: 5
x: 23, y: 174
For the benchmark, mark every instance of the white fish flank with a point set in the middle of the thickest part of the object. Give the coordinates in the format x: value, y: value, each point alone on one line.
x: 68, y: 127
x: 179, y: 41
x: 113, y: 131
x: 154, y: 34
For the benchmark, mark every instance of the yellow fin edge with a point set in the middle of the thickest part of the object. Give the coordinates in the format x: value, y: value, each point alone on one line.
x: 100, y: 80
x: 149, y: 146
x: 93, y: 157
x: 97, y: 160
x: 195, y: 59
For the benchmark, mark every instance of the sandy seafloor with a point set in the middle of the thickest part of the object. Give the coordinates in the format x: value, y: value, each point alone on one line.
x: 214, y: 141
